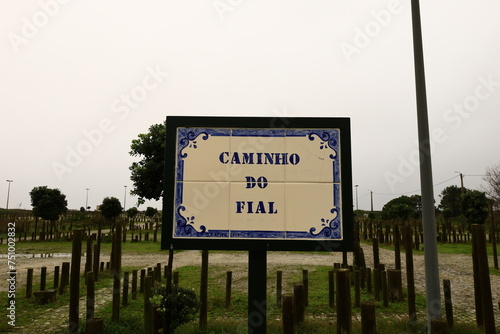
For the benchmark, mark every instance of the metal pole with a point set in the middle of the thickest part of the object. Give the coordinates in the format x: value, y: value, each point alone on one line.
x: 125, y: 198
x: 428, y: 215
x: 8, y: 194
x: 356, y: 186
x: 371, y: 200
x: 87, y: 199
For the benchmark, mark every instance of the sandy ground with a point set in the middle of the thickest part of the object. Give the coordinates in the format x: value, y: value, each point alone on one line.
x: 456, y: 268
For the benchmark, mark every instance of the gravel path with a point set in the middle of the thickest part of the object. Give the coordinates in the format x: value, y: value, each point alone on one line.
x: 456, y: 268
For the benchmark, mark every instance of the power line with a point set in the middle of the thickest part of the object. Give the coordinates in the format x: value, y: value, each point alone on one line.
x: 416, y: 191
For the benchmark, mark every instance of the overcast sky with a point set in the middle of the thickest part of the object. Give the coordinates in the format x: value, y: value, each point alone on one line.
x: 79, y: 80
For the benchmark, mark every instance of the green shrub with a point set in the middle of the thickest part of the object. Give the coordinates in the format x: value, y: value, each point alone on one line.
x: 176, y: 308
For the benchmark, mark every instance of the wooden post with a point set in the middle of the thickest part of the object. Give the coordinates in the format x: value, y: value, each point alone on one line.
x: 95, y: 262
x: 229, y: 280
x: 368, y: 319
x: 279, y: 291
x: 134, y: 284
x: 204, y: 291
x: 299, y: 302
x: 344, y: 311
x: 288, y: 316
x: 176, y: 278
x: 29, y: 283
x: 64, y: 277
x: 143, y: 276
x: 368, y: 272
x: 383, y: 282
x: 447, y: 302
x: 439, y: 326
x: 88, y: 262
x: 126, y: 277
x: 376, y: 258
x: 90, y: 299
x: 376, y: 283
x: 395, y: 284
x: 116, y: 270
x: 410, y: 278
x: 397, y: 250
x: 305, y: 282
x: 74, y: 290
x: 331, y: 288
x: 493, y: 237
x: 477, y: 282
x: 148, y: 317
x: 43, y: 278
x: 56, y: 277
x: 357, y: 288
x: 484, y: 277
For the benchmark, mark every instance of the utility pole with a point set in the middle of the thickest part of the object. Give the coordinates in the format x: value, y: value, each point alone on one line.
x: 432, y: 283
x: 461, y: 182
x: 87, y: 199
x: 371, y: 200
x: 8, y: 194
x: 356, y: 186
x: 125, y: 198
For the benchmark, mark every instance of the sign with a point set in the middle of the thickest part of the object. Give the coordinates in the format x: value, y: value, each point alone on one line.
x: 246, y: 183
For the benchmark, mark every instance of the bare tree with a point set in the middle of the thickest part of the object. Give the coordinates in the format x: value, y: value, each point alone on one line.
x: 493, y: 179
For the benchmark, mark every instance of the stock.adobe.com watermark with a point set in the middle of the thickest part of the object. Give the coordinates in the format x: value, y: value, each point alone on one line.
x: 453, y: 116
x: 11, y: 265
x: 122, y: 108
x: 31, y: 26
x: 364, y: 36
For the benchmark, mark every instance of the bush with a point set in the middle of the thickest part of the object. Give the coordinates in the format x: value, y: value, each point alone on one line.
x: 176, y: 308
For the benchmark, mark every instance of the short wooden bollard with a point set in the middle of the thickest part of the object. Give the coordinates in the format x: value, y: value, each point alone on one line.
x: 357, y: 288
x: 155, y: 318
x: 368, y: 272
x: 45, y: 297
x: 43, y: 278
x: 64, y: 277
x: 143, y: 277
x: 158, y: 272
x: 95, y: 262
x: 56, y: 277
x: 287, y: 314
x: 96, y: 326
x: 29, y: 283
x: 383, y: 282
x: 305, y: 282
x: 90, y: 304
x: 279, y: 289
x: 229, y: 280
x: 376, y: 257
x: 148, y: 317
x: 134, y: 284
x: 447, y: 302
x: 376, y: 283
x: 74, y: 289
x: 344, y: 307
x: 299, y: 303
x: 176, y: 278
x: 439, y: 326
x: 126, y: 278
x: 395, y: 285
x: 101, y: 268
x: 368, y: 319
x: 331, y: 288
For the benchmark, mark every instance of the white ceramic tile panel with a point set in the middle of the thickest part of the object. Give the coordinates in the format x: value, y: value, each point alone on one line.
x: 206, y: 204
x: 255, y: 149
x: 202, y: 161
x: 308, y: 206
x: 315, y: 163
x: 265, y: 213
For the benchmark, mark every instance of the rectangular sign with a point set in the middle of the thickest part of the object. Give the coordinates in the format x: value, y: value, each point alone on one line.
x: 245, y: 183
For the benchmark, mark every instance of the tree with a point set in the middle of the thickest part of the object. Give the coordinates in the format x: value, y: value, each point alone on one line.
x: 147, y: 173
x: 150, y: 211
x: 493, y: 179
x: 475, y: 206
x: 403, y: 208
x: 48, y: 203
x: 132, y: 212
x: 111, y: 208
x: 451, y: 201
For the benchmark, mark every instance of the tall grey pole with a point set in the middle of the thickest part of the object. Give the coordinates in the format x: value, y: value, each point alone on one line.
x: 8, y: 195
x: 125, y: 198
x: 433, y: 294
x: 87, y: 199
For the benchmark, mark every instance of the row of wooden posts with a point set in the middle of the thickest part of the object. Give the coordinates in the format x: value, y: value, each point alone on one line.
x: 387, y: 284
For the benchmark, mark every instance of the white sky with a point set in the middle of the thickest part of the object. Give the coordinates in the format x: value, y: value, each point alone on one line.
x: 66, y: 67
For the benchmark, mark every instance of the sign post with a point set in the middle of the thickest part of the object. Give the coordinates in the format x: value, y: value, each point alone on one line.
x: 257, y: 184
